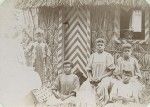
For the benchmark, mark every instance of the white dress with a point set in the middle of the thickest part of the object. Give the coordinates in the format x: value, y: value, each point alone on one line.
x: 16, y: 79
x: 130, y: 90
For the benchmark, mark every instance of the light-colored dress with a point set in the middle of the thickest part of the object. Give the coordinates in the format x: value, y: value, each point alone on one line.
x: 129, y: 65
x: 40, y: 52
x: 86, y: 95
x: 124, y: 90
x: 129, y: 90
x: 99, y: 64
x: 65, y: 85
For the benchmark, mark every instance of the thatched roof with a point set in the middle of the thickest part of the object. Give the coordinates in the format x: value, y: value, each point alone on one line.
x: 23, y: 4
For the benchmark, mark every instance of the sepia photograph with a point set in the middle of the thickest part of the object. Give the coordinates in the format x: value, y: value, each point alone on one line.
x: 74, y: 53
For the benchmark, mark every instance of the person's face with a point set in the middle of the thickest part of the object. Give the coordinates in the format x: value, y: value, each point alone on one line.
x: 100, y: 46
x: 127, y: 52
x: 126, y: 78
x: 67, y: 69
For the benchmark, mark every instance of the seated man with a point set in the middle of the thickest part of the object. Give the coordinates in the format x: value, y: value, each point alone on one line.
x: 64, y: 88
x: 125, y: 92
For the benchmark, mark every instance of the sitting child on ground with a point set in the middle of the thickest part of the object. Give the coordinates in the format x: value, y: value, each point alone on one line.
x: 64, y: 88
x: 125, y: 92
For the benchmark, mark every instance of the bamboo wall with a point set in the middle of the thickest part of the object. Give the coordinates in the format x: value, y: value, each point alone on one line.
x: 89, y: 24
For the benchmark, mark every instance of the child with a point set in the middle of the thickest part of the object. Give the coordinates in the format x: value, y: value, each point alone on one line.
x: 64, y: 88
x: 26, y: 42
x: 40, y: 53
x: 125, y: 92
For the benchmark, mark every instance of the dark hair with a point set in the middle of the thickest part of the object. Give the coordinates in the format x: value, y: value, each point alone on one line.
x: 128, y: 73
x: 101, y: 40
x: 126, y: 46
x: 68, y: 62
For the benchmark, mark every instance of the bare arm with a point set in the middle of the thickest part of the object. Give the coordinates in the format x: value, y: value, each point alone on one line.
x: 137, y: 70
x: 68, y: 96
x: 89, y: 67
x: 90, y: 74
x: 56, y: 87
x: 106, y: 75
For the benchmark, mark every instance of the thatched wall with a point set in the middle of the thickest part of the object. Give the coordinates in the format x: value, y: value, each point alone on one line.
x: 98, y: 22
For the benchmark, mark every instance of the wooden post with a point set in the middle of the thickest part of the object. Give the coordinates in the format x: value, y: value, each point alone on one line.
x: 88, y: 34
x: 60, y: 53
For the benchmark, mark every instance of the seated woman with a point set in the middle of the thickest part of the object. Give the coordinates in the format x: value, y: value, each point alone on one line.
x: 128, y: 63
x: 125, y: 92
x: 100, y: 68
x: 64, y: 89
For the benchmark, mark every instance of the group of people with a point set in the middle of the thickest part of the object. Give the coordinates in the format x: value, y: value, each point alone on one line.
x: 108, y: 84
x: 107, y: 81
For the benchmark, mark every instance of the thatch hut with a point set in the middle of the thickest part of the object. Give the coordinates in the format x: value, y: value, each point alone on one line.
x: 71, y: 26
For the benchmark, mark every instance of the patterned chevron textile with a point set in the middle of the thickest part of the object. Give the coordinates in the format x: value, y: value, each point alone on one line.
x: 77, y: 38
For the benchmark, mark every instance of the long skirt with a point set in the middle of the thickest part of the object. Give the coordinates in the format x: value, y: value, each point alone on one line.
x: 92, y: 96
x: 86, y: 95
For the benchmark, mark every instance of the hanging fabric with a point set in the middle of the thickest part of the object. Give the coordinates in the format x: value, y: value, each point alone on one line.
x: 137, y: 21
